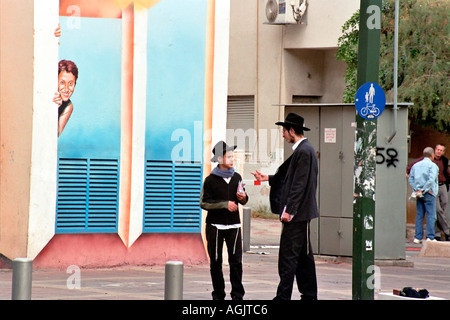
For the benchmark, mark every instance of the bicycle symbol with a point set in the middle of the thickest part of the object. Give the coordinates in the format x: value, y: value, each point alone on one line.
x: 370, y: 101
x: 370, y: 111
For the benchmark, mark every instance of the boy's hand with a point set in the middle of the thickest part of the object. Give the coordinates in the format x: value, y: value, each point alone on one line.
x: 241, y: 196
x: 232, y: 207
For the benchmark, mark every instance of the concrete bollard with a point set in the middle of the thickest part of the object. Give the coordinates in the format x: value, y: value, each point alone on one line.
x: 21, y: 278
x: 246, y: 228
x: 173, y: 283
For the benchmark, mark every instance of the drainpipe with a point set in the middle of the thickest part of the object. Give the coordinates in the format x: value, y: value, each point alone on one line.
x: 389, y: 139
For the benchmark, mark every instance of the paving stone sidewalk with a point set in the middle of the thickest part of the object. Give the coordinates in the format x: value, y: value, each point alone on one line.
x: 260, y: 276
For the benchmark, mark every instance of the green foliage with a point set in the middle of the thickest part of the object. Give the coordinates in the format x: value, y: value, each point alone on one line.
x: 423, y: 69
x: 348, y: 52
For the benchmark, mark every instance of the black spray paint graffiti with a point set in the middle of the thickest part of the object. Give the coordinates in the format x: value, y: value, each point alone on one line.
x: 390, y: 158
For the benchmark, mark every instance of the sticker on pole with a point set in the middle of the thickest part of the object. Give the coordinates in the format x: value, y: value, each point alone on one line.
x: 370, y: 101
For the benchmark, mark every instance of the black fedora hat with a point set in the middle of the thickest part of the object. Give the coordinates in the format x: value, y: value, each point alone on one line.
x: 220, y: 149
x: 293, y: 120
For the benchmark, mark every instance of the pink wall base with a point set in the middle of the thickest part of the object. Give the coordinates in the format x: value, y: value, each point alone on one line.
x: 5, y: 263
x: 108, y: 250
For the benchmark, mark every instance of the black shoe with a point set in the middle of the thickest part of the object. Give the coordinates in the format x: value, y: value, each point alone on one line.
x: 303, y: 297
x: 216, y: 296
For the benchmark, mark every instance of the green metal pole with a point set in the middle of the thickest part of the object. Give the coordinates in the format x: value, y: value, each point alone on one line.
x: 365, y: 156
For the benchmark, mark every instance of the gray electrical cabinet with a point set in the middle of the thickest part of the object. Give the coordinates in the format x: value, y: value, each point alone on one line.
x: 333, y: 135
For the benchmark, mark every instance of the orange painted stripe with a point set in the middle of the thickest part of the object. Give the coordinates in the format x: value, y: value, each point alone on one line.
x: 209, y: 90
x: 209, y: 85
x: 126, y: 123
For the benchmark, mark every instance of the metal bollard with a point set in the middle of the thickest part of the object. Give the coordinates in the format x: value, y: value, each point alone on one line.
x: 173, y: 284
x: 21, y: 278
x: 246, y: 228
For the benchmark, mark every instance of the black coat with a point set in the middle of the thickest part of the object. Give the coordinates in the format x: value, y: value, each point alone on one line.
x: 214, y: 198
x: 294, y: 184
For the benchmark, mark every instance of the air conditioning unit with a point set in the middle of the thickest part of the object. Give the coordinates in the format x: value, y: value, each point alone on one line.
x: 284, y: 11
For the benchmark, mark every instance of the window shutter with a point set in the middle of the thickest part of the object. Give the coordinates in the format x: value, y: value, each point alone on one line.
x: 240, y: 118
x: 172, y: 196
x: 240, y: 112
x: 88, y: 192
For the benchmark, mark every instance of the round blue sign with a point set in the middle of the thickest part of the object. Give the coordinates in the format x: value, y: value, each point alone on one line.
x: 370, y: 101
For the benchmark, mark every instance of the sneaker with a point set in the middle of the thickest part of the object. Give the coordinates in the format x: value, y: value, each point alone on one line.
x: 417, y: 241
x: 431, y: 240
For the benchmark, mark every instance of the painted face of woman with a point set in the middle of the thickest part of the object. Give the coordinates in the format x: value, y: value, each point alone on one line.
x: 66, y: 85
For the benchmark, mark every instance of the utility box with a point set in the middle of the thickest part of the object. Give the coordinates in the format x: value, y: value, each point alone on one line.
x: 333, y: 136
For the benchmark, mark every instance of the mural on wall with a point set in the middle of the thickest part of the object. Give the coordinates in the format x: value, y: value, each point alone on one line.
x: 116, y: 136
x: 89, y: 121
x: 67, y: 78
x: 95, y: 122
x: 174, y: 115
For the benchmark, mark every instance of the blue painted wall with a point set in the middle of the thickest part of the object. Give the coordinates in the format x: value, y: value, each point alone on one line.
x: 89, y: 146
x: 176, y: 74
x: 93, y: 129
x: 174, y: 116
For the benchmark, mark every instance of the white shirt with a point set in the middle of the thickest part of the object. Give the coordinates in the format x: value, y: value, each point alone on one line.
x: 298, y: 143
x: 230, y: 226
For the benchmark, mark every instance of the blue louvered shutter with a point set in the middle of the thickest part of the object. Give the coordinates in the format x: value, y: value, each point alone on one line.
x: 186, y: 205
x: 172, y: 195
x: 88, y: 193
x: 158, y: 196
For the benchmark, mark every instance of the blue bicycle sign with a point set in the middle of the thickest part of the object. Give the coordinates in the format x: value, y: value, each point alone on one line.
x: 370, y: 101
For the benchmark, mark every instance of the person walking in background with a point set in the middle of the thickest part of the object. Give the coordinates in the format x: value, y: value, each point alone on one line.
x: 423, y: 178
x: 293, y: 196
x: 442, y: 197
x: 221, y: 193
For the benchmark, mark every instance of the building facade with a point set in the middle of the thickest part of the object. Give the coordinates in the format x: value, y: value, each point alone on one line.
x: 279, y: 66
x: 272, y: 65
x: 120, y: 185
x: 159, y: 83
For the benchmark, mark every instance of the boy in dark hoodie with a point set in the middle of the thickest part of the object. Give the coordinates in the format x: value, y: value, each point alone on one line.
x: 222, y: 191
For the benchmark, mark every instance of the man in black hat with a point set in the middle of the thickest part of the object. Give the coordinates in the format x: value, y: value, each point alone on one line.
x: 293, y: 197
x: 222, y: 191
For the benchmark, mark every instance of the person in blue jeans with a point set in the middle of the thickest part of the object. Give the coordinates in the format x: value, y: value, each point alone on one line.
x: 423, y: 178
